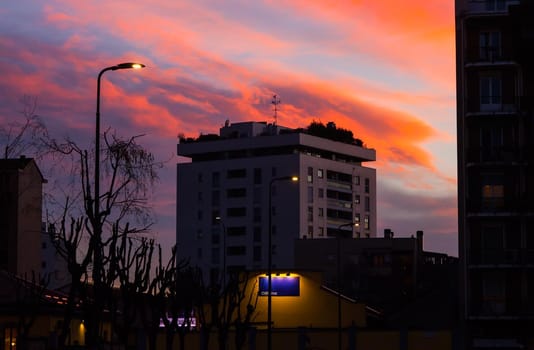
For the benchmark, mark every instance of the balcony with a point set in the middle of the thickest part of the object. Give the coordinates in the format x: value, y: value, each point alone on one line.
x: 496, y: 154
x: 490, y: 6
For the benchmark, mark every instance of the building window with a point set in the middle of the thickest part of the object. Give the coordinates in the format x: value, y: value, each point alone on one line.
x: 257, y: 234
x: 357, y: 219
x: 310, y: 231
x: 490, y: 45
x: 367, y: 203
x: 200, y: 234
x: 310, y: 194
x: 199, y: 177
x: 239, y: 250
x: 199, y: 253
x: 320, y: 230
x: 236, y: 192
x: 273, y: 171
x: 494, y: 294
x: 320, y: 173
x: 366, y: 224
x: 10, y: 338
x: 199, y: 215
x: 310, y: 214
x: 492, y: 244
x: 236, y: 173
x: 490, y: 93
x: 236, y: 212
x: 495, y: 5
x: 367, y: 185
x: 257, y: 176
x: 236, y: 231
x: 320, y: 212
x: 215, y: 179
x: 320, y: 193
x: 310, y: 174
x: 199, y: 196
x: 356, y: 199
x: 492, y: 190
x: 357, y: 180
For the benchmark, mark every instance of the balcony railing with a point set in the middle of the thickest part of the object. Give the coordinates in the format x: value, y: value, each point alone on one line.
x: 490, y: 6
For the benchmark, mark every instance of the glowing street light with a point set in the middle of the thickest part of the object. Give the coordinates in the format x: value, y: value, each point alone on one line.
x: 97, y: 223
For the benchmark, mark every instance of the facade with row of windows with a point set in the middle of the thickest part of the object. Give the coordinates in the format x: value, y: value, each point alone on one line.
x: 225, y: 190
x: 495, y: 89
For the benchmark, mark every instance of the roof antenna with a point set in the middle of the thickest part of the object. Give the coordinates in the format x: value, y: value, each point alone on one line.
x: 275, y: 102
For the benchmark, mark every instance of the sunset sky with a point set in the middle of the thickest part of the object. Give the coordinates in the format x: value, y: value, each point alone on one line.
x: 383, y: 69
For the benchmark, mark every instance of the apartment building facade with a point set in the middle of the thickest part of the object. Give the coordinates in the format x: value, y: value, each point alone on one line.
x: 20, y: 216
x: 495, y: 121
x: 224, y: 192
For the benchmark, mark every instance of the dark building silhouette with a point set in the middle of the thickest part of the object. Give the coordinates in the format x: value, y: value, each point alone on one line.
x: 495, y: 120
x: 20, y: 216
x: 406, y: 286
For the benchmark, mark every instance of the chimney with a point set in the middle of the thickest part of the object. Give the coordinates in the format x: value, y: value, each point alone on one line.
x: 388, y: 233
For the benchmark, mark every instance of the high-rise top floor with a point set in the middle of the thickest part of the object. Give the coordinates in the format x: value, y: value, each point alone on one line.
x: 254, y: 139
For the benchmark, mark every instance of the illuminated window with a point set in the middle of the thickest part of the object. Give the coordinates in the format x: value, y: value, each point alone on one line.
x: 492, y: 190
x: 310, y: 174
x: 357, y: 199
x: 366, y: 222
x: 10, y: 338
x: 320, y: 173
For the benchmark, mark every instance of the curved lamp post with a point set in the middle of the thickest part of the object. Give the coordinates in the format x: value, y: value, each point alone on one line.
x: 338, y: 239
x: 270, y: 258
x: 97, y: 225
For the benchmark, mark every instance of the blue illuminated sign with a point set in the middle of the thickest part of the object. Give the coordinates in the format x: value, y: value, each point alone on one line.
x: 281, y: 286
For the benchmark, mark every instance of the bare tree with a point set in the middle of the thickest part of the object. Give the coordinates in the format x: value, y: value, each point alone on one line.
x: 25, y: 135
x: 89, y: 244
x: 221, y: 308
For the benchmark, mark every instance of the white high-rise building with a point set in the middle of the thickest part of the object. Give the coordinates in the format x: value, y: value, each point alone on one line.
x: 223, y: 194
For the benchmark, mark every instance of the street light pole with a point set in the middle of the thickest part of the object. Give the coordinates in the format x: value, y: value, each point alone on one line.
x: 338, y: 247
x: 97, y: 225
x: 270, y: 258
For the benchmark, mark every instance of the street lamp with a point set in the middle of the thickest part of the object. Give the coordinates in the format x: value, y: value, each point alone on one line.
x: 97, y: 224
x: 338, y: 241
x: 270, y: 258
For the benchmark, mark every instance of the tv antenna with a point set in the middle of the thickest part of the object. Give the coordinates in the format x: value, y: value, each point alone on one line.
x: 275, y: 101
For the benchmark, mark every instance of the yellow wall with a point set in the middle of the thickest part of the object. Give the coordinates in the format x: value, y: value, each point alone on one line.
x: 315, y: 307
